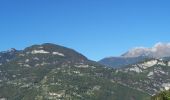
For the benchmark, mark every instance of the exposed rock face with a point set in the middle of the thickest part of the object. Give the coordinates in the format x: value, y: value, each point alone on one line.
x: 150, y: 76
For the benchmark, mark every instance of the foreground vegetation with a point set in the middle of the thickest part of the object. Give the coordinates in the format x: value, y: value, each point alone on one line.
x: 164, y: 95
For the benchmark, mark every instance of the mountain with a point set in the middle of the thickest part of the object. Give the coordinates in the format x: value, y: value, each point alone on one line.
x: 138, y: 54
x: 151, y: 76
x: 119, y: 62
x: 159, y: 50
x: 53, y: 72
x: 8, y: 55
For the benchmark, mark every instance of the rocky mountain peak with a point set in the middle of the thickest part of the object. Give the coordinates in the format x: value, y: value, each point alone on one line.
x: 157, y: 51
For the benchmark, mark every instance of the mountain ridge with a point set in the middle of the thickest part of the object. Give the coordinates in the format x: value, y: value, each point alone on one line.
x: 138, y: 54
x: 43, y: 72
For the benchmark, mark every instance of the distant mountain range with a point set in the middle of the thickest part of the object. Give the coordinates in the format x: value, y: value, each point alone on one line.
x: 54, y: 72
x: 138, y: 54
x: 6, y: 56
x: 119, y: 62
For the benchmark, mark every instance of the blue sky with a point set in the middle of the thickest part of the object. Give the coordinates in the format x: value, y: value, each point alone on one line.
x: 95, y: 28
